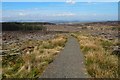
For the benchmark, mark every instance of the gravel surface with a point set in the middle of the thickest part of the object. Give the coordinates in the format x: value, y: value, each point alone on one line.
x: 68, y: 64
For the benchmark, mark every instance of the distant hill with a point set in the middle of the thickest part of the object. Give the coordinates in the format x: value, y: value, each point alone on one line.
x: 113, y: 23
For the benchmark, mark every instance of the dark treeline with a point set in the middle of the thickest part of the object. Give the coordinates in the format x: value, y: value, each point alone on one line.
x: 18, y: 26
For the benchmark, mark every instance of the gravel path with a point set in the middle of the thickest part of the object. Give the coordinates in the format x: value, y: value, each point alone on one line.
x: 68, y: 64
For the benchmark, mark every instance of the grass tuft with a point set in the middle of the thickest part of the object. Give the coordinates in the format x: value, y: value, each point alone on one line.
x: 98, y: 59
x: 34, y: 58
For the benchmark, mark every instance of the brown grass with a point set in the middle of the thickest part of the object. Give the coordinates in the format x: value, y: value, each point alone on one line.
x: 34, y: 58
x: 98, y: 59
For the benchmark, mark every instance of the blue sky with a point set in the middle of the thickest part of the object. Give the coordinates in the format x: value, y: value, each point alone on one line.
x: 60, y: 0
x: 59, y: 11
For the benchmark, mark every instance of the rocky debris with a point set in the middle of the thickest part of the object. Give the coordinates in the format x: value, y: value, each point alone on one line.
x: 17, y: 36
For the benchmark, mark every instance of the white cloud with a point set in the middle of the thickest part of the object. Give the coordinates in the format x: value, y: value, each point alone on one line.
x: 70, y: 1
x: 22, y: 14
x: 65, y: 14
x: 94, y: 14
x: 36, y: 8
x: 91, y: 3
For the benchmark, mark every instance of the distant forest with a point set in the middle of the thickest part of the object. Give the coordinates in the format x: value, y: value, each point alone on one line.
x: 24, y: 26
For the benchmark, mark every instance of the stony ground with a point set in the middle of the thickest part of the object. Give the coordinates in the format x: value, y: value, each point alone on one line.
x: 14, y: 36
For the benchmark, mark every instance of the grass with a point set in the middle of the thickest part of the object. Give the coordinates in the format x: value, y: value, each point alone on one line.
x: 98, y: 59
x: 34, y: 57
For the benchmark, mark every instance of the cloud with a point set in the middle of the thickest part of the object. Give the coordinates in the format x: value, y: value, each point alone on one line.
x: 94, y: 14
x: 91, y: 3
x: 65, y: 14
x: 22, y: 14
x: 36, y: 8
x: 70, y: 1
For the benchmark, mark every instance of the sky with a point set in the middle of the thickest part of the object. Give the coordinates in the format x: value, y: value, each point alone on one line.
x: 59, y: 11
x: 60, y: 0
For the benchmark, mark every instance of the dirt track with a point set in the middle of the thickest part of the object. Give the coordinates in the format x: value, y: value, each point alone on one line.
x: 68, y: 64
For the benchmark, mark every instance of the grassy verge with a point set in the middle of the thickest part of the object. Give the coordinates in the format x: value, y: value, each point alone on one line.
x: 29, y: 58
x: 98, y: 59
